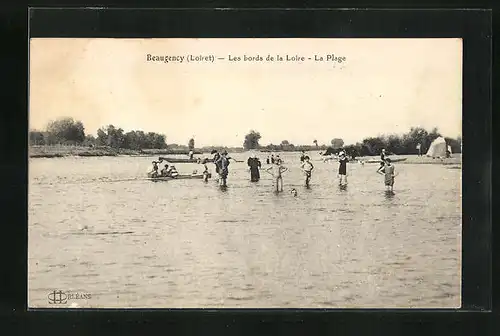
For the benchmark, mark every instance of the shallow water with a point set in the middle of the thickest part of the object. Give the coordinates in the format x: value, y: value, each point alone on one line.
x: 96, y: 226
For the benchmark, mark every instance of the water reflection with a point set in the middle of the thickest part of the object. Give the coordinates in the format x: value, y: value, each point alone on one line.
x: 389, y: 194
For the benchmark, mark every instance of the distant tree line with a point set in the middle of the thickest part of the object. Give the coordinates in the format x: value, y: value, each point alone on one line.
x: 137, y: 140
x: 67, y: 131
x: 401, y: 144
x: 62, y: 131
x: 396, y: 144
x: 253, y: 137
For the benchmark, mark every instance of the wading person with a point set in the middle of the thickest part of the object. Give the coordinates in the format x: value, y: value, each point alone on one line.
x: 383, y: 155
x: 215, y: 159
x: 303, y: 156
x: 307, y: 168
x: 223, y: 164
x: 388, y: 171
x: 342, y: 169
x: 254, y: 164
x: 277, y: 171
x: 206, y: 173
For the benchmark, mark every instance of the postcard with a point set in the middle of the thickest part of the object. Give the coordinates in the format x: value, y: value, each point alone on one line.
x: 245, y: 173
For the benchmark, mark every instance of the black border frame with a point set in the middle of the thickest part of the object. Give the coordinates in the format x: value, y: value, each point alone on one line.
x: 474, y: 26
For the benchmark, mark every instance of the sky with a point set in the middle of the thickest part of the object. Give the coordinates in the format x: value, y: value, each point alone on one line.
x: 384, y: 86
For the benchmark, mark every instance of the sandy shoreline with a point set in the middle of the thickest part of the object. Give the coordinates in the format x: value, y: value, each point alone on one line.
x: 59, y: 152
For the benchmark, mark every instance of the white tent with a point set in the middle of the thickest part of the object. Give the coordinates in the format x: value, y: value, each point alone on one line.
x: 438, y: 148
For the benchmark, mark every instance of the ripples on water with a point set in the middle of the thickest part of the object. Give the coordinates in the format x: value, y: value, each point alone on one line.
x: 95, y: 226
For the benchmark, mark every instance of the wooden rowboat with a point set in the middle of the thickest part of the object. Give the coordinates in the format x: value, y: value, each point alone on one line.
x: 184, y: 160
x: 378, y: 160
x: 178, y: 177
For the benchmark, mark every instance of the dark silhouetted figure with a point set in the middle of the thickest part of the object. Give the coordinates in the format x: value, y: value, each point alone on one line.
x: 254, y: 164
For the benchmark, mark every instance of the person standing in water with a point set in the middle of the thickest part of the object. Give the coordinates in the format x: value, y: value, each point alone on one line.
x: 206, y: 173
x: 277, y: 171
x: 388, y: 171
x: 254, y: 164
x: 307, y: 168
x: 222, y: 163
x: 342, y: 169
x: 383, y: 155
x: 215, y: 158
x: 303, y: 156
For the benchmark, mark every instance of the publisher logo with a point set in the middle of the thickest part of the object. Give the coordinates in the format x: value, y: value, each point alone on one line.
x: 59, y: 297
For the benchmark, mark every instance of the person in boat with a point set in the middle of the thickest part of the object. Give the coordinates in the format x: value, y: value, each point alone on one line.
x: 343, y: 169
x: 164, y: 171
x: 254, y: 164
x: 303, y: 156
x: 154, y: 171
x: 388, y: 171
x: 172, y: 171
x: 277, y: 170
x: 222, y: 164
x: 307, y: 167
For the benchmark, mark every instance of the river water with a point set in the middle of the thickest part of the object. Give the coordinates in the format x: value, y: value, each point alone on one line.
x: 97, y: 227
